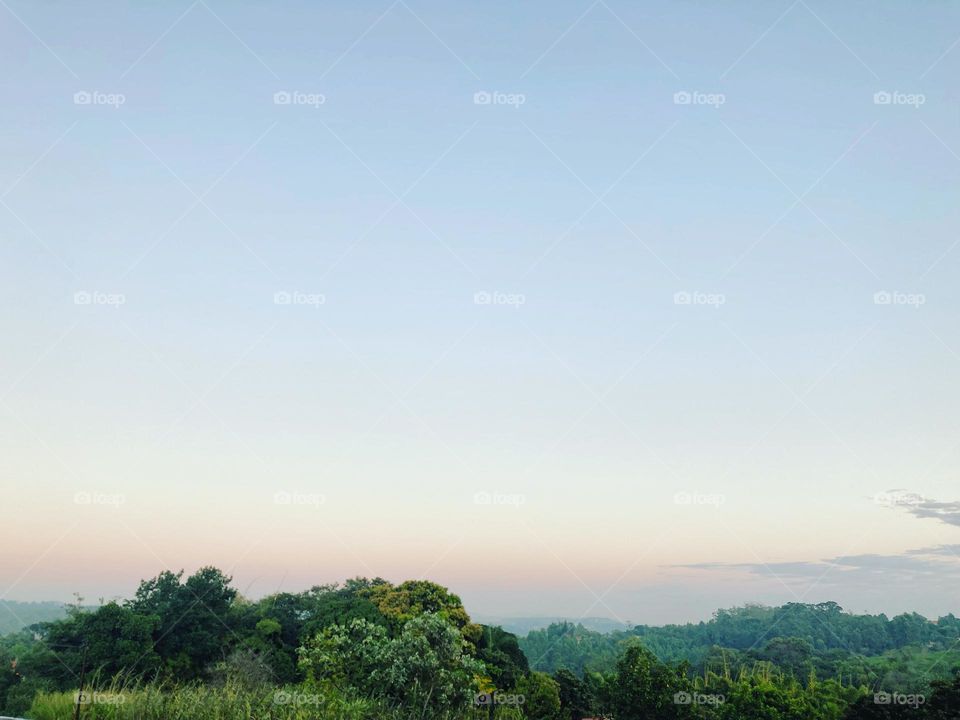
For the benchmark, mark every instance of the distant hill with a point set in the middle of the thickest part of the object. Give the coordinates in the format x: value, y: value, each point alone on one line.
x: 797, y: 637
x: 15, y: 615
x: 523, y: 625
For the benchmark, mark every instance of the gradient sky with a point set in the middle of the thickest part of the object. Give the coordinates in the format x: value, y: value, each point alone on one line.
x: 159, y: 408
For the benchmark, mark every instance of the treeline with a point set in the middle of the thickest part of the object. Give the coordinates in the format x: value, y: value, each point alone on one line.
x: 875, y: 651
x: 18, y: 615
x: 177, y: 631
x: 192, y: 647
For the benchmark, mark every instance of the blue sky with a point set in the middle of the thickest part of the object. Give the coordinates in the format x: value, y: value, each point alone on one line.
x: 578, y: 260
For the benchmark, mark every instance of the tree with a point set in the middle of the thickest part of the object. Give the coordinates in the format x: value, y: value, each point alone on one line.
x: 791, y: 654
x: 428, y: 666
x: 500, y: 651
x: 866, y: 708
x: 412, y: 598
x: 347, y: 656
x: 944, y: 700
x: 114, y: 639
x: 541, y: 696
x: 245, y: 668
x: 646, y: 689
x: 425, y: 667
x: 575, y: 701
x: 191, y: 618
x: 322, y: 608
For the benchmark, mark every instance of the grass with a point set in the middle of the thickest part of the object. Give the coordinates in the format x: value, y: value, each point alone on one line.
x: 228, y: 702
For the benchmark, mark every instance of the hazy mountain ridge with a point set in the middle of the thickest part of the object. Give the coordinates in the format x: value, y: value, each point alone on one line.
x: 522, y: 625
x: 16, y: 615
x: 797, y: 636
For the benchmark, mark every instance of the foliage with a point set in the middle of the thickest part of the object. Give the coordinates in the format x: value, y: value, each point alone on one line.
x: 644, y: 688
x: 573, y: 647
x: 190, y: 616
x: 192, y: 647
x: 424, y: 668
x: 500, y: 652
x: 541, y: 696
x: 801, y: 639
x: 575, y: 696
x: 403, y: 602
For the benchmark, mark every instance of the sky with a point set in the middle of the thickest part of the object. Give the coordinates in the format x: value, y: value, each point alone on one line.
x: 594, y: 308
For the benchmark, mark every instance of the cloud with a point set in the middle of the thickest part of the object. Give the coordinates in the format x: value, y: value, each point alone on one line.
x: 922, y: 564
x: 920, y: 506
x: 947, y: 512
x: 939, y: 564
x: 953, y: 550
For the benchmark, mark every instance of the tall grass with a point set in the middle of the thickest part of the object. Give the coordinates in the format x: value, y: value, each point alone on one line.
x: 228, y: 702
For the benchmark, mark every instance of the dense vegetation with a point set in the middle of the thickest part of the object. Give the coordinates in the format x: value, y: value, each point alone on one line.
x: 869, y: 650
x: 18, y: 615
x: 194, y: 648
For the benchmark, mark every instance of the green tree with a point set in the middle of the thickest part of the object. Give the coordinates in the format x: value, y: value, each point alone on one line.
x: 791, y: 654
x: 575, y: 701
x: 412, y: 598
x: 944, y: 700
x: 425, y: 667
x: 192, y: 629
x: 646, y: 689
x: 541, y: 696
x: 501, y: 653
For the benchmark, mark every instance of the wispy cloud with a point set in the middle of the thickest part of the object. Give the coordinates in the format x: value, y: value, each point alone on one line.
x: 947, y: 512
x: 953, y: 550
x: 938, y: 563
x: 920, y: 506
x: 866, y: 569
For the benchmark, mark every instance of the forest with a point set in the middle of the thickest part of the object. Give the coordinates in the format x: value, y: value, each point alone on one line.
x: 193, y: 647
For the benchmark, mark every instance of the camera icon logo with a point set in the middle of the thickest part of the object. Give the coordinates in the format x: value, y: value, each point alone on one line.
x: 482, y: 498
